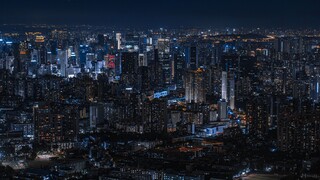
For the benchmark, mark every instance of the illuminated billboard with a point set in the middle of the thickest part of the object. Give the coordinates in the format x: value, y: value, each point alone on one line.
x: 110, y: 61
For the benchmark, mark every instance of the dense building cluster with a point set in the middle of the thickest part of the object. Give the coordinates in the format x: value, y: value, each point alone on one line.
x: 96, y: 102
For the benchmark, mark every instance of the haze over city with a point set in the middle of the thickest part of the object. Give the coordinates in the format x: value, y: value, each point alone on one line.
x: 165, y: 13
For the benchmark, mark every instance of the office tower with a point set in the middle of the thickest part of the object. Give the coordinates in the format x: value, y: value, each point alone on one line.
x: 129, y: 62
x: 209, y: 79
x: 62, y: 59
x: 165, y: 60
x: 17, y: 60
x: 193, y: 63
x: 194, y: 86
x: 118, y: 39
x: 157, y: 70
x: 224, y: 86
x: 83, y: 50
x: 43, y: 55
x: 179, y: 69
x: 167, y: 71
x: 129, y: 65
x: 222, y: 113
x: 231, y: 93
x: 216, y: 54
x: 143, y: 78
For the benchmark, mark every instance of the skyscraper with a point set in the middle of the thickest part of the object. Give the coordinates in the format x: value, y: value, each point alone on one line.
x: 224, y: 86
x: 129, y: 65
x: 143, y: 78
x: 179, y: 69
x: 165, y: 60
x: 194, y: 86
x: 62, y: 59
x: 157, y: 70
x: 231, y: 94
x: 118, y: 39
x: 83, y: 50
x: 222, y: 105
x: 193, y: 64
x: 43, y: 55
x: 129, y: 62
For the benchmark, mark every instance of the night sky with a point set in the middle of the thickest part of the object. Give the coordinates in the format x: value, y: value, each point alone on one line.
x: 164, y: 13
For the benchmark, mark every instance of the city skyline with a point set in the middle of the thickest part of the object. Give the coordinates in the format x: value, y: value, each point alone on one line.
x: 160, y: 90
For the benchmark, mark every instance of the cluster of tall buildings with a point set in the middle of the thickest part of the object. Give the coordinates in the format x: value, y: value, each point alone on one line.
x: 61, y: 85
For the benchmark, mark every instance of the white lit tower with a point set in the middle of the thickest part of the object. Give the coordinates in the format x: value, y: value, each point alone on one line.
x: 118, y: 38
x: 224, y: 86
x: 231, y: 92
